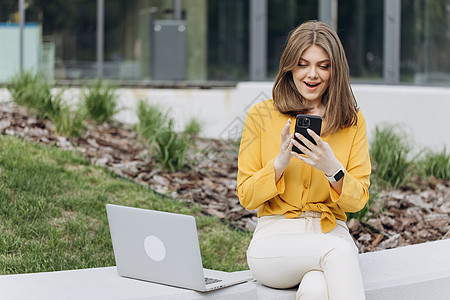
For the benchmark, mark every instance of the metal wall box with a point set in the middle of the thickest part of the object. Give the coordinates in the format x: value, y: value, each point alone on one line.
x: 168, y: 50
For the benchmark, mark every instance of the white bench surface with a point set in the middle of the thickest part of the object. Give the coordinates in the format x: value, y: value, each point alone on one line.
x: 413, y: 272
x: 419, y: 271
x: 104, y: 283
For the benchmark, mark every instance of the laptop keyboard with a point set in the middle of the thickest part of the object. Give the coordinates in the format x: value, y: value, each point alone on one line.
x: 211, y: 280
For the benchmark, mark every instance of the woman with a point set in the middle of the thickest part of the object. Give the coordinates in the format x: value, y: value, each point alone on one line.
x: 301, y: 237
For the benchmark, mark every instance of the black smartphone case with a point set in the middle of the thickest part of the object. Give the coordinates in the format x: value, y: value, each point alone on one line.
x: 303, y: 122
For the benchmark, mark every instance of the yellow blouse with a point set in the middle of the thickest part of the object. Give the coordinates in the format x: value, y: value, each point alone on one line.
x: 301, y: 187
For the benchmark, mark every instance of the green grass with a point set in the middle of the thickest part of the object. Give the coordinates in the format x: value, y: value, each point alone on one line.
x: 193, y: 127
x: 435, y: 163
x: 34, y: 91
x: 101, y: 101
x: 156, y: 128
x: 171, y: 148
x: 52, y: 213
x: 151, y: 120
x: 389, y: 152
x: 394, y: 166
x: 23, y: 88
x: 70, y: 123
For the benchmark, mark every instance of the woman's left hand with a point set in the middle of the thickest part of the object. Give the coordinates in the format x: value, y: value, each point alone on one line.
x: 319, y: 156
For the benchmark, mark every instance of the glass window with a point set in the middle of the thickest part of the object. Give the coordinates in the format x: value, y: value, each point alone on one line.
x: 69, y: 38
x: 8, y: 9
x: 284, y: 16
x: 71, y: 26
x: 425, y: 44
x: 213, y: 39
x: 360, y: 28
x: 228, y: 40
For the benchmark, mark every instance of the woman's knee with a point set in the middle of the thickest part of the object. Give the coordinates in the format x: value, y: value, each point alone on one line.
x: 313, y: 286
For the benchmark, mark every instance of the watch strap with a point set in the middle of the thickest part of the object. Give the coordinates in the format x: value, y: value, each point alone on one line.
x: 337, y: 175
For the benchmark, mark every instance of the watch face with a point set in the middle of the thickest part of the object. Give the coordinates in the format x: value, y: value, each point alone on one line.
x: 339, y: 175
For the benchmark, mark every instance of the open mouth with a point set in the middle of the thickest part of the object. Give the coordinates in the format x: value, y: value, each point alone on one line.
x: 312, y: 84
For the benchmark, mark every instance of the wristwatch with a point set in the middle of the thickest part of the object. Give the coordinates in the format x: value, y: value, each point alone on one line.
x: 336, y: 176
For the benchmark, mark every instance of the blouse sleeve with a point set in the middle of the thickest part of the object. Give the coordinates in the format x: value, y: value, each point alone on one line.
x: 355, y: 189
x: 255, y: 179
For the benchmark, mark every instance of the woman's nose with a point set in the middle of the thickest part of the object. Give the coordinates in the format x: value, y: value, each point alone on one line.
x: 312, y: 72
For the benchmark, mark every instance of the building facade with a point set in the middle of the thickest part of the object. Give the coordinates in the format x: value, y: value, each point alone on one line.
x: 217, y: 42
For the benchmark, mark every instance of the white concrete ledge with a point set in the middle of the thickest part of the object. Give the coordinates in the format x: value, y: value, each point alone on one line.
x: 105, y: 283
x: 413, y: 272
x: 419, y: 271
x: 416, y: 272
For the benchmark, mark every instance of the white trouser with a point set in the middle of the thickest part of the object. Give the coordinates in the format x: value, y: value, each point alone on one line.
x: 287, y: 252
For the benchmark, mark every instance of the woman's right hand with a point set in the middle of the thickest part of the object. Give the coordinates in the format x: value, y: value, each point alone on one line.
x: 285, y: 155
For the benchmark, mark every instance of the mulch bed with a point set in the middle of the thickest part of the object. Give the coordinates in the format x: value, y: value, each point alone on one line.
x: 399, y: 217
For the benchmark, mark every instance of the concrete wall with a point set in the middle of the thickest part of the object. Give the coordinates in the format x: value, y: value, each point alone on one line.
x: 421, y: 111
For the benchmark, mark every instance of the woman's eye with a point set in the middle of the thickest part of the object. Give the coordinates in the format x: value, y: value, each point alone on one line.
x: 302, y: 65
x: 325, y: 67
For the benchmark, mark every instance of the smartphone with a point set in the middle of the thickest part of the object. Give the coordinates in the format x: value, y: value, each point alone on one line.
x: 302, y: 123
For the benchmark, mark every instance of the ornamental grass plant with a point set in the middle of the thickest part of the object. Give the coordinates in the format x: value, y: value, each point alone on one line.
x: 193, y: 127
x: 101, y: 101
x: 436, y: 164
x: 21, y: 88
x: 70, y: 123
x: 151, y: 119
x: 35, y: 92
x: 156, y: 128
x: 389, y: 152
x: 171, y: 148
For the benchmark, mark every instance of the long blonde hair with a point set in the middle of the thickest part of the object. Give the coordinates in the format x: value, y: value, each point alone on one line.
x: 340, y: 104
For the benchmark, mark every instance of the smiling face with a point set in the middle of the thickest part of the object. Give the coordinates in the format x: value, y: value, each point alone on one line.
x: 312, y: 74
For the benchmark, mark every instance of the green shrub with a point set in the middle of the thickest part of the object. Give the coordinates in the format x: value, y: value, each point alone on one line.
x: 151, y: 120
x: 193, y: 127
x: 156, y: 128
x: 101, y: 101
x: 21, y: 88
x: 34, y: 92
x: 436, y: 164
x: 172, y: 148
x: 70, y: 123
x: 389, y: 151
x: 49, y: 105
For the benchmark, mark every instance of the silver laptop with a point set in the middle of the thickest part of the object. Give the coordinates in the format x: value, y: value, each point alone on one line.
x: 162, y: 247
